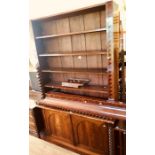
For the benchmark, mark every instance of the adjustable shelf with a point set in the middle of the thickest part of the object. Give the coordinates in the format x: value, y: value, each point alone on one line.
x: 76, y: 70
x: 77, y: 53
x: 89, y: 88
x: 70, y: 34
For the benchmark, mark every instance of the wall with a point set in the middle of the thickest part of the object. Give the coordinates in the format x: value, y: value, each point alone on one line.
x: 43, y: 8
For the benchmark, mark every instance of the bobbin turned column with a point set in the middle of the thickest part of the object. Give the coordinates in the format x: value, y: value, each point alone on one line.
x: 112, y: 27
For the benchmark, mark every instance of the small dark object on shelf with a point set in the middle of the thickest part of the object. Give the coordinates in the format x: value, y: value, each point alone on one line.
x: 75, y: 83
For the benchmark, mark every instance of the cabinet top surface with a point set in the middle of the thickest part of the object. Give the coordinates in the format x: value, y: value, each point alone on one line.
x: 75, y: 106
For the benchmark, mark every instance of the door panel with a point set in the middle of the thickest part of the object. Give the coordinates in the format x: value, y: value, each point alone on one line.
x: 91, y: 134
x: 58, y: 125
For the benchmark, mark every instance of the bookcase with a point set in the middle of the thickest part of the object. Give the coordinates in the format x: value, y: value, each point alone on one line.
x: 78, y: 55
x: 79, y: 45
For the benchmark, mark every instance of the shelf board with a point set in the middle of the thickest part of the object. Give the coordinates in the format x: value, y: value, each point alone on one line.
x: 89, y: 88
x: 85, y: 99
x: 71, y: 33
x: 80, y: 53
x: 76, y: 70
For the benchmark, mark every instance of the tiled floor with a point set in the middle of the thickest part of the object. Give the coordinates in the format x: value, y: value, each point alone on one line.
x: 40, y: 147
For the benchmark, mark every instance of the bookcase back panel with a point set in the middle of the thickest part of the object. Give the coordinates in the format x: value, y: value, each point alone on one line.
x: 85, y: 42
x: 54, y: 62
x: 76, y: 23
x: 100, y: 80
x: 77, y: 62
x: 80, y: 61
x: 80, y: 22
x: 104, y: 61
x: 78, y: 43
x: 67, y: 62
x: 103, y: 40
x: 92, y: 21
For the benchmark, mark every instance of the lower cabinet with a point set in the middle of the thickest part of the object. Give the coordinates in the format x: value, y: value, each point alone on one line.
x: 82, y: 134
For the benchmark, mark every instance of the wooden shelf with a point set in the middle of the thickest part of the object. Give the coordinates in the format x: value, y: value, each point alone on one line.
x: 85, y: 99
x: 77, y: 70
x: 80, y: 53
x: 69, y: 34
x: 87, y: 89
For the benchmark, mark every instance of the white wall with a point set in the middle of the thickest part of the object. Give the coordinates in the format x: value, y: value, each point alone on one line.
x: 43, y: 8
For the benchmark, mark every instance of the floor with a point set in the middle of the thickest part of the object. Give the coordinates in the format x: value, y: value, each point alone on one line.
x: 40, y: 147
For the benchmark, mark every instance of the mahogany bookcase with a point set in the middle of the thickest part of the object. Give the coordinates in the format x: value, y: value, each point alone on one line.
x: 81, y: 44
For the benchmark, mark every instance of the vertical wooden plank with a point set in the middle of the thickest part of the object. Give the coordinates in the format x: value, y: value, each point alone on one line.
x: 103, y: 18
x: 103, y: 34
x: 93, y: 42
x: 64, y: 42
x: 104, y: 80
x: 65, y: 45
x: 54, y: 62
x: 92, y: 20
x: 49, y: 27
x: 56, y: 77
x: 51, y: 45
x: 78, y: 44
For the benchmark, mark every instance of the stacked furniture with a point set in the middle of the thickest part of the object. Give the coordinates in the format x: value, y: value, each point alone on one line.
x: 78, y: 55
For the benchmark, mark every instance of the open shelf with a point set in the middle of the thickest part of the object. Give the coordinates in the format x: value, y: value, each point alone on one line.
x: 71, y: 33
x: 76, y: 70
x: 89, y: 88
x: 80, y: 53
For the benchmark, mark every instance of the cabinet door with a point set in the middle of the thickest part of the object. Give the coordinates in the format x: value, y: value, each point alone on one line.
x: 58, y: 126
x: 91, y: 134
